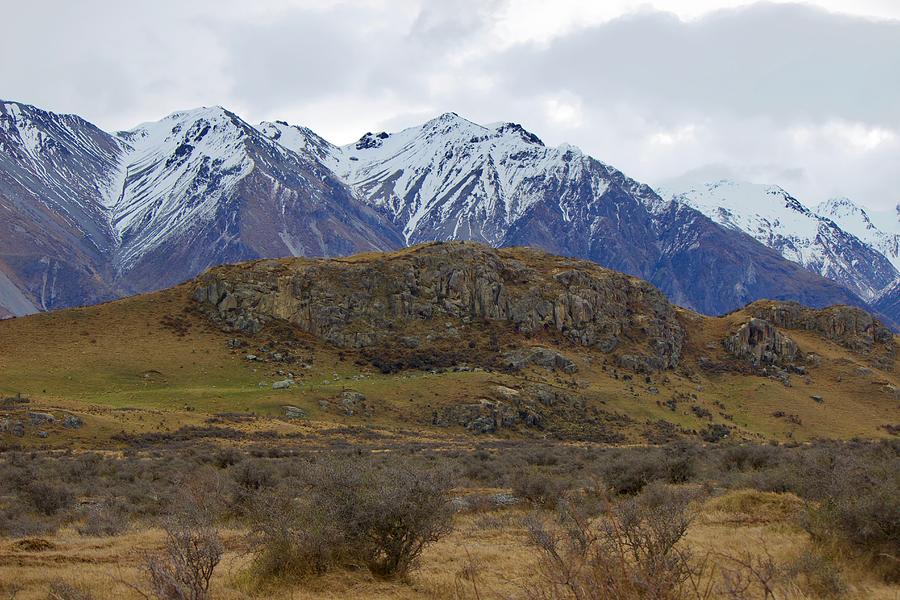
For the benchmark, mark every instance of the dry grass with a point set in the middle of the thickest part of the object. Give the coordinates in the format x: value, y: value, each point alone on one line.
x: 99, y: 361
x: 498, y: 561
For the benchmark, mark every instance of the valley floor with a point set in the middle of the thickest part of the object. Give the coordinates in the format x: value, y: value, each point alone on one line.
x: 486, y: 556
x: 736, y: 528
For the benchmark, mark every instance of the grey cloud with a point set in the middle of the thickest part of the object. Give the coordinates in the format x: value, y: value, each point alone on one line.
x: 648, y: 93
x: 785, y: 61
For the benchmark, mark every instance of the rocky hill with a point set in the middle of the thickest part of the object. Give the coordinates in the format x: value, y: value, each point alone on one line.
x: 448, y: 290
x: 444, y: 339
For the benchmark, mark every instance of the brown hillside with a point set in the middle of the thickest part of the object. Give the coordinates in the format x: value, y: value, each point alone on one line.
x: 449, y: 340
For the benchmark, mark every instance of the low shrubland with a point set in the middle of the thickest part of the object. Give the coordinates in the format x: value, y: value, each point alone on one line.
x: 600, y: 522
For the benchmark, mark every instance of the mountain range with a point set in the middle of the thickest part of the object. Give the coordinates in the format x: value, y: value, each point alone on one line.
x: 87, y: 215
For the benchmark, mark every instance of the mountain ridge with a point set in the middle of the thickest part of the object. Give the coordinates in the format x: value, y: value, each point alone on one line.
x: 782, y: 222
x: 203, y: 187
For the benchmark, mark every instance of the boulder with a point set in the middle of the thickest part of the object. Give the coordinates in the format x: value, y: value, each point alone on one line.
x: 72, y: 422
x: 282, y: 385
x: 40, y: 418
x: 759, y: 342
x: 354, y: 402
x: 488, y: 416
x: 293, y: 412
x: 542, y: 357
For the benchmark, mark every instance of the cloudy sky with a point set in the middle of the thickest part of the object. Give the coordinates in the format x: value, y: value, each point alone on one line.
x: 803, y: 95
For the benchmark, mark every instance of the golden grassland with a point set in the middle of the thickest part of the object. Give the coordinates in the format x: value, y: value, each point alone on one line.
x: 486, y: 556
x: 123, y: 366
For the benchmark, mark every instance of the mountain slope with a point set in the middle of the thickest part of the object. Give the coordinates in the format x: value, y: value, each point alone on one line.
x: 448, y: 341
x: 881, y: 230
x: 783, y: 223
x: 86, y: 216
x: 451, y: 179
x: 448, y: 179
x: 203, y: 187
x: 56, y: 172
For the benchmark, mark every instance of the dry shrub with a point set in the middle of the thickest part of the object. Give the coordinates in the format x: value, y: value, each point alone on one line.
x: 398, y: 513
x: 748, y: 577
x: 351, y: 511
x: 632, y: 552
x: 818, y: 576
x: 185, y: 567
x: 628, y: 472
x: 539, y: 488
x: 63, y: 590
x: 104, y: 520
x: 854, y: 508
x: 293, y: 537
x: 49, y: 498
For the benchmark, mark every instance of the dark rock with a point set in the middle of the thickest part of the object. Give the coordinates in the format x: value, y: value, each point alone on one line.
x: 354, y: 402
x: 542, y: 357
x: 293, y: 412
x: 368, y: 302
x: 410, y: 341
x: 639, y: 363
x: 849, y: 326
x: 72, y: 422
x: 759, y: 342
x: 40, y: 418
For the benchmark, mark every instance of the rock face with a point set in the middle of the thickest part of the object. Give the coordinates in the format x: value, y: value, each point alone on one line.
x: 762, y: 344
x: 848, y: 326
x: 542, y: 357
x: 379, y: 299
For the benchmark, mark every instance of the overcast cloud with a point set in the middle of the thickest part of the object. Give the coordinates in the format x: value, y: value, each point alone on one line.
x: 806, y: 96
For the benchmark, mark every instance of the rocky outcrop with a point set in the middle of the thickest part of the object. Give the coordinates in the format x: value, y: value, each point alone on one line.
x: 541, y: 357
x: 851, y: 327
x: 487, y: 416
x: 759, y: 342
x: 378, y: 298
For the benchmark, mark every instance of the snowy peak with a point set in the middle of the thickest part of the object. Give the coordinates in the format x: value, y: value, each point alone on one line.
x: 517, y: 131
x: 780, y: 221
x: 449, y: 178
x: 754, y: 208
x: 68, y: 163
x: 881, y: 230
x: 37, y: 135
x: 301, y: 140
x: 176, y: 172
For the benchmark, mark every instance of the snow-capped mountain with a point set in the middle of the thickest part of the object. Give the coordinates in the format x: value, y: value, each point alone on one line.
x: 86, y: 215
x: 55, y: 171
x: 446, y: 179
x: 149, y: 207
x: 499, y: 184
x: 207, y: 187
x: 816, y: 241
x: 879, y: 229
